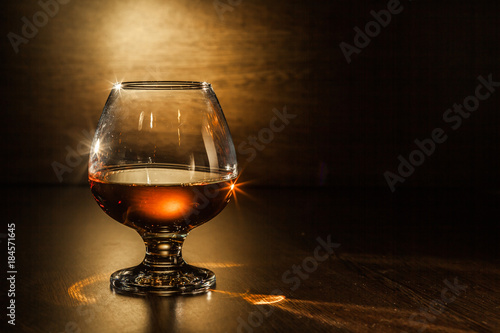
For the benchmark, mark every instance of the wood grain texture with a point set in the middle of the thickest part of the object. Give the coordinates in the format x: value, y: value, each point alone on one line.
x: 385, y: 281
x: 352, y: 120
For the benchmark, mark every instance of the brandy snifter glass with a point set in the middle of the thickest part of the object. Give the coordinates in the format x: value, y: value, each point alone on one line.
x: 162, y: 162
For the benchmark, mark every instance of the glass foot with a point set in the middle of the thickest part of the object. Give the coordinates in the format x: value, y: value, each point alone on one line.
x: 165, y: 281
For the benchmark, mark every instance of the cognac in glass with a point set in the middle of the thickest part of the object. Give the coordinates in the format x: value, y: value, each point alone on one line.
x: 162, y: 162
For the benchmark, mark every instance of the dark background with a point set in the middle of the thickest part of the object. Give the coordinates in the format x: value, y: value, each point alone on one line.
x: 322, y: 175
x: 353, y: 120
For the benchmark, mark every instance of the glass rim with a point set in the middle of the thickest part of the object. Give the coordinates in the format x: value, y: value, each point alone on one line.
x: 162, y: 85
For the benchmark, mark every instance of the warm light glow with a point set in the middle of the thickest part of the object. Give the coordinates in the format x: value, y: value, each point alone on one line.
x: 117, y: 85
x: 255, y: 299
x: 96, y: 146
x: 216, y: 264
x: 141, y: 119
x: 171, y: 205
x: 179, y: 126
x: 236, y: 187
x: 75, y: 291
x: 334, y: 314
x: 210, y: 147
x: 230, y: 190
x: 353, y: 317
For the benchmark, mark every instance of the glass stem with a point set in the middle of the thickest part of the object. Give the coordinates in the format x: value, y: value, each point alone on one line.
x: 163, y: 250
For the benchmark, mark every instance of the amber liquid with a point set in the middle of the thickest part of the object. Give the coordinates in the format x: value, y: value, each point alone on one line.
x: 160, y: 199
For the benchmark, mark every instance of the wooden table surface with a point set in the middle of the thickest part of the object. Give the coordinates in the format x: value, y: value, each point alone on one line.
x: 412, y: 261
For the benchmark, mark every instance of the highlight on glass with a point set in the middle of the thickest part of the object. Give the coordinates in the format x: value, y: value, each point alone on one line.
x: 162, y: 162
